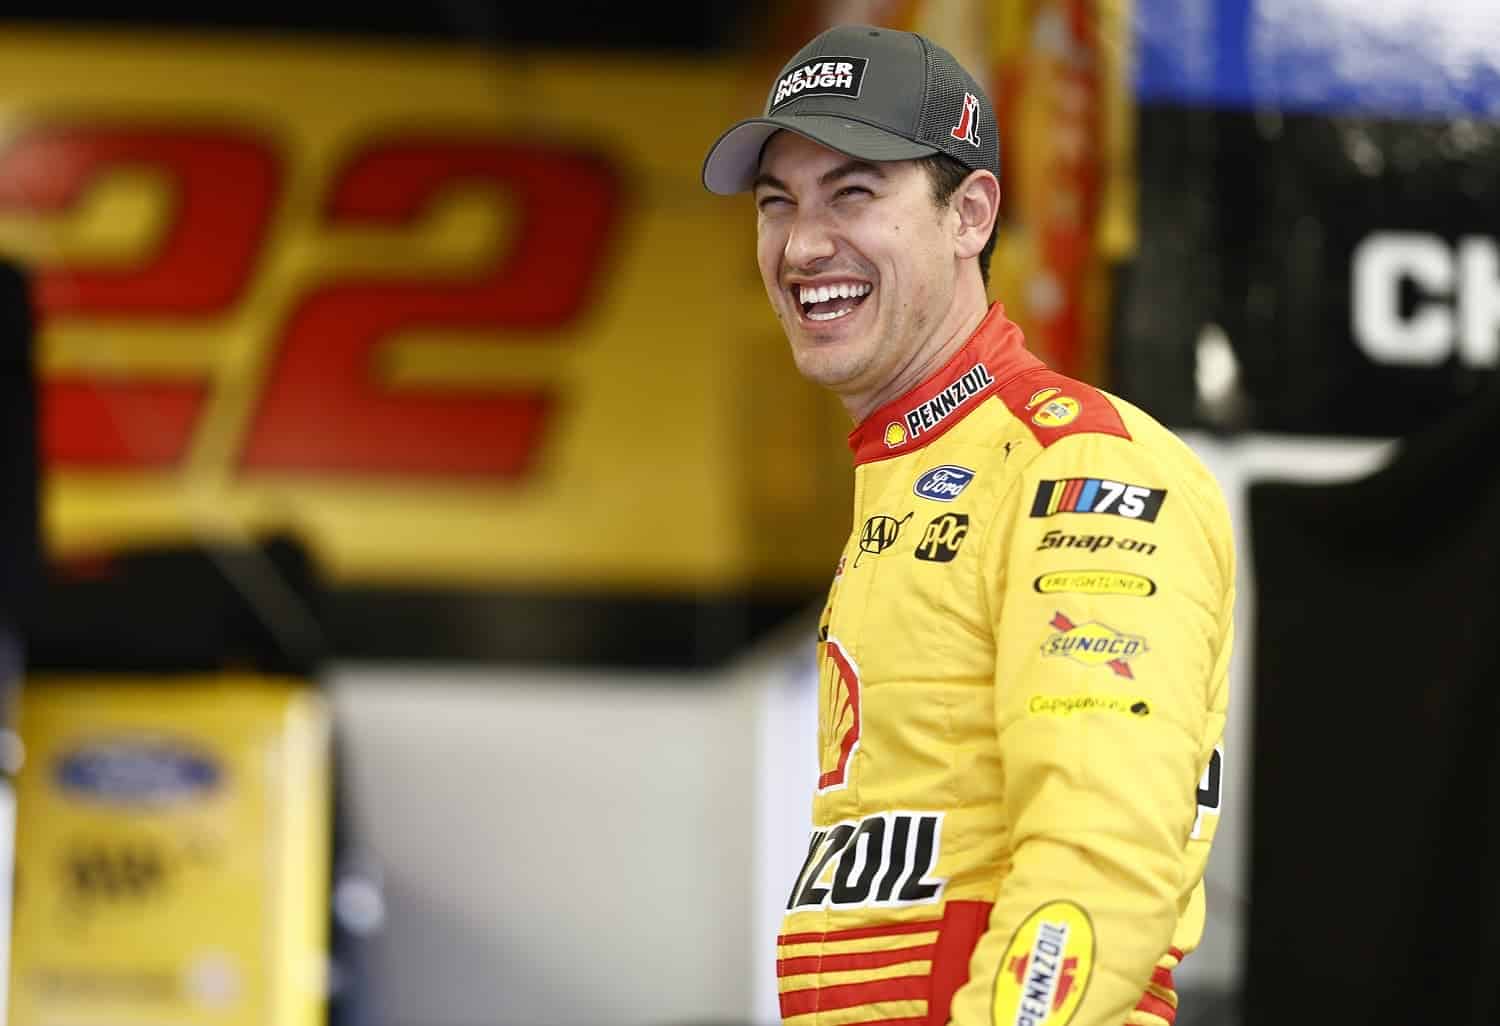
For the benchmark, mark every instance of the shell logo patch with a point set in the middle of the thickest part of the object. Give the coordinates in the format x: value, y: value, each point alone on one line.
x: 1057, y: 412
x: 838, y: 714
x: 1094, y: 644
x: 1045, y: 971
x: 895, y: 435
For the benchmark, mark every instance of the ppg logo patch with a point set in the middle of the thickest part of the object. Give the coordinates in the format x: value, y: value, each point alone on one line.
x: 942, y: 538
x: 826, y: 76
x: 943, y: 483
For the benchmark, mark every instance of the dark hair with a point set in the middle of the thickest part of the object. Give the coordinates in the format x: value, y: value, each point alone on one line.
x: 946, y: 175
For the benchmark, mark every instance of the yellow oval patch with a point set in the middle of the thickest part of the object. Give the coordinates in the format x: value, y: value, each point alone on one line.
x: 1046, y: 968
x: 1041, y: 395
x: 1057, y: 412
x: 1095, y: 582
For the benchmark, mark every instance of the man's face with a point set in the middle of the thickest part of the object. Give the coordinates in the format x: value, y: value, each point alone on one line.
x: 857, y: 261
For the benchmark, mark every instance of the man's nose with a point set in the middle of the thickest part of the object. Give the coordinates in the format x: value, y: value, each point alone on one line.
x: 810, y: 241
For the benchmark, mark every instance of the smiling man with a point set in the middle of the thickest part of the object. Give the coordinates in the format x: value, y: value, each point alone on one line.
x: 1024, y: 653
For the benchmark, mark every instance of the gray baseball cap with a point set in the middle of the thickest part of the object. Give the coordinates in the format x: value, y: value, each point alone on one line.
x: 873, y: 93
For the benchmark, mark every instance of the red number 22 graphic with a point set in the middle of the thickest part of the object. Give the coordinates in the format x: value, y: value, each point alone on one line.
x: 323, y: 410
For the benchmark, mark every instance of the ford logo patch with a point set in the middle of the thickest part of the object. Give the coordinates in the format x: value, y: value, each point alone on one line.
x: 943, y: 483
x: 135, y: 771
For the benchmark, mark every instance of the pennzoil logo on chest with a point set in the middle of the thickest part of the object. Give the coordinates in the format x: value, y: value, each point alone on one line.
x: 885, y: 860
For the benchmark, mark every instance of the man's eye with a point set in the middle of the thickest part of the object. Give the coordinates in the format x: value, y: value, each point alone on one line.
x: 769, y: 202
x: 852, y: 190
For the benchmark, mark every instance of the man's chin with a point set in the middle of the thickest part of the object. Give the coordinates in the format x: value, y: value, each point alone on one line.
x: 829, y: 364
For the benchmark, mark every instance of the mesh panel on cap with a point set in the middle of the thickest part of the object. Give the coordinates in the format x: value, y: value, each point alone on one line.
x: 946, y: 85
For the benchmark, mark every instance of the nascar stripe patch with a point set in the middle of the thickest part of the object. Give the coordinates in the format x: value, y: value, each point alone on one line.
x: 1097, y: 495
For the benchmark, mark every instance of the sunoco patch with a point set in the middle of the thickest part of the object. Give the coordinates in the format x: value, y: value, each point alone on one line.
x: 826, y: 76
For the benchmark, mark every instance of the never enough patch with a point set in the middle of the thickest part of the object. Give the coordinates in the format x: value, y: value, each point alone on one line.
x: 825, y: 76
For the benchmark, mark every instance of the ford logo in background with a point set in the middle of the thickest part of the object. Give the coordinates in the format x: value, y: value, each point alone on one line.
x: 136, y: 771
x: 943, y: 483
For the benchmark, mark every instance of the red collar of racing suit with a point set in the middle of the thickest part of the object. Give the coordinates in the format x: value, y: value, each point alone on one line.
x: 994, y: 355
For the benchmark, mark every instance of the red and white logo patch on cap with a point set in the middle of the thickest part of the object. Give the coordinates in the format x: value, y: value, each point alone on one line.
x: 967, y: 129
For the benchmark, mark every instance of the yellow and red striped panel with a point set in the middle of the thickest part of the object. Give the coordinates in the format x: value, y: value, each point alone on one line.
x: 894, y: 974
x: 906, y: 973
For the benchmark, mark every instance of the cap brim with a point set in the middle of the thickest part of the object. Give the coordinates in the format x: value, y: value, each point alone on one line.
x: 734, y: 160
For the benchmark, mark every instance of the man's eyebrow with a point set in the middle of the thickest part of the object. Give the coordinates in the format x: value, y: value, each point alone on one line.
x: 770, y: 181
x: 844, y: 170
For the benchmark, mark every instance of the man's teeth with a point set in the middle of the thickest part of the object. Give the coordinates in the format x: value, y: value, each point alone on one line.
x: 843, y: 290
x: 829, y: 316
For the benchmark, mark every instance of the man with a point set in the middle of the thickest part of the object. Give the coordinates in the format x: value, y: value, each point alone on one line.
x: 1025, y: 648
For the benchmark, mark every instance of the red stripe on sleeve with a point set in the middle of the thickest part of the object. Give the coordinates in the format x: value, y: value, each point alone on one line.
x: 882, y: 930
x: 852, y: 995
x: 853, y: 960
x: 1154, y: 1005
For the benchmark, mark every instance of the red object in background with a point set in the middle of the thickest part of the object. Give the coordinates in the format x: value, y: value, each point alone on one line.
x: 120, y: 425
x: 224, y: 186
x: 1063, y: 213
x: 325, y: 410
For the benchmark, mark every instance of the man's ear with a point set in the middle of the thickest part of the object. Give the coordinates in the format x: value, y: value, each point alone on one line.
x: 977, y: 203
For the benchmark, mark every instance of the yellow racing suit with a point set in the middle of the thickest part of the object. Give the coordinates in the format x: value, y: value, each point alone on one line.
x: 1024, y: 680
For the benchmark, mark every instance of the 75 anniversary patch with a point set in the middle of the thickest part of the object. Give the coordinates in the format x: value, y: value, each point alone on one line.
x: 1097, y: 495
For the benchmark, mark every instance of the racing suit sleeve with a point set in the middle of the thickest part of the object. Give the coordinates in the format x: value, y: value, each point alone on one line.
x: 1109, y: 577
